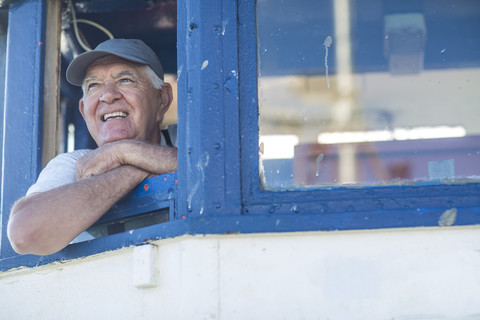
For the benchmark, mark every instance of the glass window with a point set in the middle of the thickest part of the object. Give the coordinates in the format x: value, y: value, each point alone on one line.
x: 369, y: 92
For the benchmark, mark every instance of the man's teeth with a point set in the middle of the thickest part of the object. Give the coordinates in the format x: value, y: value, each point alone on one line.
x: 114, y: 114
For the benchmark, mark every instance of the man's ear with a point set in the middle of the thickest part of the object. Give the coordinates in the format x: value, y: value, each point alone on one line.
x: 81, y: 107
x: 166, y: 100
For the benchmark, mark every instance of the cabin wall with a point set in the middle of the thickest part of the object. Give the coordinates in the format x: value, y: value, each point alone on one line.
x: 420, y: 273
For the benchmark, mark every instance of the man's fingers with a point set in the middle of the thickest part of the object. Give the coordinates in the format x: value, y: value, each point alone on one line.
x: 100, y: 160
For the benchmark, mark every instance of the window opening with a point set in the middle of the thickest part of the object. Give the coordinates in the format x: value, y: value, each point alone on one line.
x: 85, y: 24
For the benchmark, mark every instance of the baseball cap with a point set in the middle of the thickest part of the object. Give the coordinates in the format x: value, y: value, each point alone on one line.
x: 133, y: 50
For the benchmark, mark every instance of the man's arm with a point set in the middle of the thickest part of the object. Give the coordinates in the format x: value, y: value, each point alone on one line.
x: 44, y: 223
x: 153, y: 158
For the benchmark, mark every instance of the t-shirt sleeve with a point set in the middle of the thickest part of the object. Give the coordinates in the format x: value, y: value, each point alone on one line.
x: 60, y: 171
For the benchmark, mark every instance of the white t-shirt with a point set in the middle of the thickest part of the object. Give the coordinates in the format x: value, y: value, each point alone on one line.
x: 60, y: 171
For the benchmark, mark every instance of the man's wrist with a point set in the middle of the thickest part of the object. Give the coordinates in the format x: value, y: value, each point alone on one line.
x: 136, y: 174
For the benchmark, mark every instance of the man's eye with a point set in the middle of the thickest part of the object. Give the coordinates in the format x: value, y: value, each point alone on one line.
x: 92, y: 85
x: 126, y: 80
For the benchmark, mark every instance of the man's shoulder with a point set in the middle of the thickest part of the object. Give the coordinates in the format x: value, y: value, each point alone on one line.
x: 59, y: 171
x: 72, y: 156
x: 76, y: 154
x: 66, y: 160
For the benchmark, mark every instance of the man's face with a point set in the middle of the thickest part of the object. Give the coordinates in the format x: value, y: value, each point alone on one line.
x: 119, y: 102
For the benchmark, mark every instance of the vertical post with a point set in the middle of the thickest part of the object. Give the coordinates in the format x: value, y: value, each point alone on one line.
x: 3, y: 54
x: 343, y: 113
x: 249, y: 111
x: 51, y: 109
x: 208, y: 115
x: 22, y: 115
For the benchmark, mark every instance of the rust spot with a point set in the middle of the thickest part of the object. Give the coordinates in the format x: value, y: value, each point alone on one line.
x: 145, y: 187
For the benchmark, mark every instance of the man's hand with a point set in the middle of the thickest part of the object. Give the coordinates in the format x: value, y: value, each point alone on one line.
x: 152, y: 158
x: 102, y: 159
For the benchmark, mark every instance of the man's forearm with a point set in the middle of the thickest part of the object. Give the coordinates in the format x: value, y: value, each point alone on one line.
x: 46, y: 222
x: 150, y: 157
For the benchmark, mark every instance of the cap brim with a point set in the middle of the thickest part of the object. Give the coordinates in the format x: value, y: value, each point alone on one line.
x: 76, y: 70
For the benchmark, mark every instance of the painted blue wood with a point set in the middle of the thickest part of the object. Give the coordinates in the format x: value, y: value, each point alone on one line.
x: 236, y: 224
x: 248, y: 99
x: 208, y: 103
x: 152, y: 194
x: 337, y: 199
x: 23, y: 105
x: 3, y: 55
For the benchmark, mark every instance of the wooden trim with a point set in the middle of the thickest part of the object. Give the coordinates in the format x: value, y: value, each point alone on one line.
x: 51, y: 98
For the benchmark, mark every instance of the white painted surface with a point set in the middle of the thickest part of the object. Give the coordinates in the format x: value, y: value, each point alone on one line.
x: 387, y: 274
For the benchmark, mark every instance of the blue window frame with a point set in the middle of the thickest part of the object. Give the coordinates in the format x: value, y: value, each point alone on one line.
x: 21, y: 141
x: 22, y: 146
x: 336, y: 207
x: 219, y: 189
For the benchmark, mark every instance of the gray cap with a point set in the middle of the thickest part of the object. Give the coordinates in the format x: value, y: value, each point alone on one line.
x: 129, y: 49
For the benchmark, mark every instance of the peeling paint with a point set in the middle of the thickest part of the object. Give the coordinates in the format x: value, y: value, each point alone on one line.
x: 190, y: 195
x: 231, y: 81
x: 448, y: 217
x: 201, y: 165
x: 179, y: 71
x: 224, y: 27
x: 204, y: 65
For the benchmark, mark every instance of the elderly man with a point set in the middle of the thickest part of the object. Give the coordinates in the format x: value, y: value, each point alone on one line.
x: 124, y: 101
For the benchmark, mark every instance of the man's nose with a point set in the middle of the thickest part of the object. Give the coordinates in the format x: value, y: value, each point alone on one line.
x: 110, y: 94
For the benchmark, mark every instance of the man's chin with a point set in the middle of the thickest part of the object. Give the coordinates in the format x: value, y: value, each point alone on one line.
x: 113, y: 138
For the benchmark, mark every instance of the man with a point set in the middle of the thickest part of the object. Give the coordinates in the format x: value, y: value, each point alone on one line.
x: 124, y: 101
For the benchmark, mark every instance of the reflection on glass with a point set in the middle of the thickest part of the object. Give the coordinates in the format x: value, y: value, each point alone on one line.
x: 368, y: 92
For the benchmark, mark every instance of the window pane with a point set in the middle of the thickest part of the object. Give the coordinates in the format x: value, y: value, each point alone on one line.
x: 368, y: 92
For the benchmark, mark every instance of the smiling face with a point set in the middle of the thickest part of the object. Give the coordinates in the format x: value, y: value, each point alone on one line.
x: 120, y: 102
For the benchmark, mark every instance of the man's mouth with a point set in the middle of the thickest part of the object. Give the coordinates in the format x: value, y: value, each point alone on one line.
x: 114, y: 115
